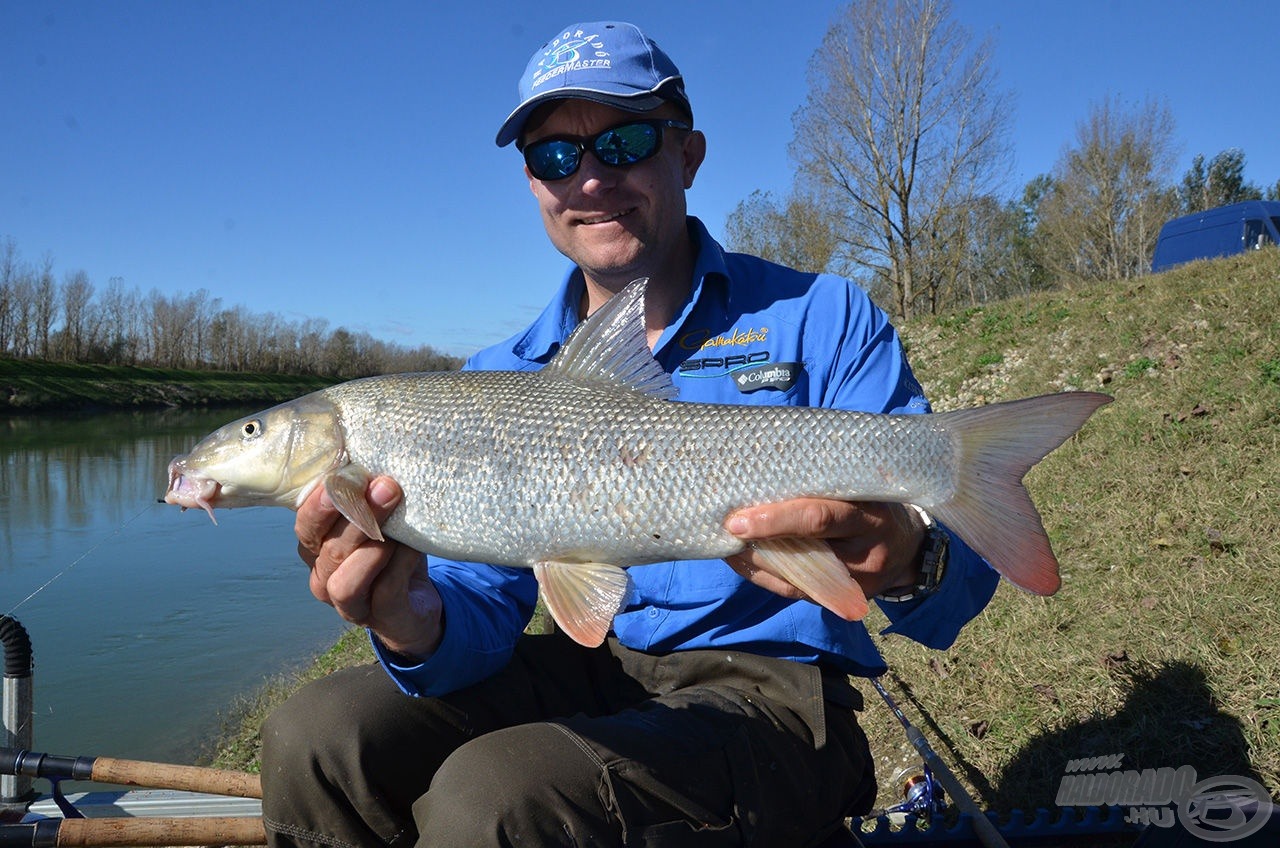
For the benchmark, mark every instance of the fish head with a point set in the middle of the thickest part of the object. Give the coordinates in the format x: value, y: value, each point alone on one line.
x: 273, y: 458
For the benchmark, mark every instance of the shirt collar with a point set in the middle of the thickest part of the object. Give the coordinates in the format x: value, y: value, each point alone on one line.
x: 543, y: 337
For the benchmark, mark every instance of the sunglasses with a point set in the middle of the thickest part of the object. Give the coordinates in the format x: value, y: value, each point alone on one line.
x: 558, y: 157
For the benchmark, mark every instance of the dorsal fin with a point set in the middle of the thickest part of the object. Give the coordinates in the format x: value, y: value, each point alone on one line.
x: 610, y: 347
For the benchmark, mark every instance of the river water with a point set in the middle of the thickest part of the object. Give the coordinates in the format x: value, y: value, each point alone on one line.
x: 147, y: 623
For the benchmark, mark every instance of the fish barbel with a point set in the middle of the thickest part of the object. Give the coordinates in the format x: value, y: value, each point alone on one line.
x: 585, y: 468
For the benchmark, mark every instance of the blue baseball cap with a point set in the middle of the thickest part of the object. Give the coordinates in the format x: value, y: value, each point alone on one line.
x: 608, y: 62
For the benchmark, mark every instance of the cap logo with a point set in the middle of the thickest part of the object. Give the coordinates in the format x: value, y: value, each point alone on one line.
x: 573, y: 51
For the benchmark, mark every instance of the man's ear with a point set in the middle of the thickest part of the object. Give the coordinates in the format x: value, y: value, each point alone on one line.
x: 693, y: 152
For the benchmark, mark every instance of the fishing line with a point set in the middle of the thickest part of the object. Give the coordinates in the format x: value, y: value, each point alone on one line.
x: 77, y: 560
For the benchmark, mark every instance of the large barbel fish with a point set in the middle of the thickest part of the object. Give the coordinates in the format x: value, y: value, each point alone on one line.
x: 586, y: 467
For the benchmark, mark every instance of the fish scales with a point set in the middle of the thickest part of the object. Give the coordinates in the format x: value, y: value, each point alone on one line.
x: 516, y: 468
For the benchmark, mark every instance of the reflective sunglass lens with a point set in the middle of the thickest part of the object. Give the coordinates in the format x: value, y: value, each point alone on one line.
x: 626, y: 144
x: 552, y: 160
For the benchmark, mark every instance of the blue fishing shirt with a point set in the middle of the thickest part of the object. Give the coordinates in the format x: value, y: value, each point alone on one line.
x: 752, y: 333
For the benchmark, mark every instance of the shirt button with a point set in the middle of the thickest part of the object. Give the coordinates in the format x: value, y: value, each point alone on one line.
x: 653, y: 612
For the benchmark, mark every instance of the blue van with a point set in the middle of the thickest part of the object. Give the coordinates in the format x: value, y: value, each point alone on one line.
x: 1224, y: 231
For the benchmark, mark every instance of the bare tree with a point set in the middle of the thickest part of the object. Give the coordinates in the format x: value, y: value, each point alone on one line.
x: 22, y: 299
x: 797, y: 234
x: 78, y: 320
x: 44, y: 307
x: 8, y: 279
x: 311, y: 341
x: 120, y: 322
x: 903, y: 124
x: 1110, y: 193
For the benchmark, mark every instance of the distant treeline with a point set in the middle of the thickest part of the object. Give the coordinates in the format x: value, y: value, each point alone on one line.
x: 71, y: 321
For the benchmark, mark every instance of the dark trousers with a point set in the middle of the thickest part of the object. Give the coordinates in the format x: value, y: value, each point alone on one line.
x: 571, y: 746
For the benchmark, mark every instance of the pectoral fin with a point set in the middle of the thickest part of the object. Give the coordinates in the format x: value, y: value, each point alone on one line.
x: 583, y: 597
x: 346, y: 488
x: 812, y: 567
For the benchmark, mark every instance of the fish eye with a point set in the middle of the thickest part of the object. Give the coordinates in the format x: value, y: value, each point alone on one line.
x: 251, y: 429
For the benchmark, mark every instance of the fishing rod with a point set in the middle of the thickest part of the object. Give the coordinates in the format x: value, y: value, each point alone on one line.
x: 76, y: 830
x: 110, y: 832
x: 936, y: 769
x: 130, y: 773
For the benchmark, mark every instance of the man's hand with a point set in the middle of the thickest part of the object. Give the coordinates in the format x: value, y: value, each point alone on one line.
x: 379, y: 585
x: 878, y: 542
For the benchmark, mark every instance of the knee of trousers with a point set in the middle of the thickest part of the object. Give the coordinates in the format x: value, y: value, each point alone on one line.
x: 533, y: 781
x: 316, y: 730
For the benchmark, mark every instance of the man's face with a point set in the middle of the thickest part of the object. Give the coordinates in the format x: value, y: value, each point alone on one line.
x: 616, y: 223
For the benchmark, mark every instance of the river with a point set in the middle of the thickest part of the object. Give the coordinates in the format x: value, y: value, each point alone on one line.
x: 147, y: 623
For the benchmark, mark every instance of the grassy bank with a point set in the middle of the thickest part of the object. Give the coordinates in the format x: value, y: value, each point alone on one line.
x: 33, y: 386
x: 1160, y: 645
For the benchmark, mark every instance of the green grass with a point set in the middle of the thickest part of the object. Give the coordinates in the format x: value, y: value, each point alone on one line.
x: 238, y: 745
x: 1161, y: 645
x: 28, y: 385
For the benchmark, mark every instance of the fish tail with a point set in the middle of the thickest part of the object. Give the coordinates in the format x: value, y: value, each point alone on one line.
x: 991, y: 509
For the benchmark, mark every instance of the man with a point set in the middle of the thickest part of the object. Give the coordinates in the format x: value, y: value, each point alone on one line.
x: 720, y: 713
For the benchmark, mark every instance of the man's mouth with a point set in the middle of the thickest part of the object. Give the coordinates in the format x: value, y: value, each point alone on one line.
x: 606, y: 218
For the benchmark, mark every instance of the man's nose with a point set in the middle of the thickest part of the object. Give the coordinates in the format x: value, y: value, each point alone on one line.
x: 594, y: 176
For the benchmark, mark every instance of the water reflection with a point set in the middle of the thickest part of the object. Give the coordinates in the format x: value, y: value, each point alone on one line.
x: 69, y: 467
x: 150, y: 621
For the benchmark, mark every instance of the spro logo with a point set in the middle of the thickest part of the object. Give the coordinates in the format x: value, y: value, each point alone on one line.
x: 718, y: 366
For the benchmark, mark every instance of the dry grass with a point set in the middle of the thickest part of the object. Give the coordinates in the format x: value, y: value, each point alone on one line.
x: 1160, y: 645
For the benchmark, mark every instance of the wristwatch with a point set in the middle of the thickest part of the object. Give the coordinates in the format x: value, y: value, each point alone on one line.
x: 933, y: 563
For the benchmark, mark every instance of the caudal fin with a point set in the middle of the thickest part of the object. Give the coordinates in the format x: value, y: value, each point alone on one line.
x: 991, y: 509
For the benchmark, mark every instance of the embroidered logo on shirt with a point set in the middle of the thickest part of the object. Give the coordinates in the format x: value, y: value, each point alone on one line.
x: 718, y: 366
x: 702, y: 339
x: 771, y: 375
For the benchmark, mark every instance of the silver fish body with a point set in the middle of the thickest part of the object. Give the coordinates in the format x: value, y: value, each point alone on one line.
x: 587, y: 467
x: 519, y: 468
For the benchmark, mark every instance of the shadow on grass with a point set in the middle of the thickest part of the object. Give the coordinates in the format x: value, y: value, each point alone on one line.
x: 1169, y: 718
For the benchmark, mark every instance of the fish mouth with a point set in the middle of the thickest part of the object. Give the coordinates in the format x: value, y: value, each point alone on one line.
x: 189, y: 490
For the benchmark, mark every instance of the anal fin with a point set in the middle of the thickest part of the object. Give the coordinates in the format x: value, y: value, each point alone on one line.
x: 583, y: 597
x: 812, y: 567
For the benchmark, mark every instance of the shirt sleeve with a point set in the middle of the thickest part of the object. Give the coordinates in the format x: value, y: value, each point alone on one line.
x: 871, y: 373
x: 486, y: 608
x: 936, y: 620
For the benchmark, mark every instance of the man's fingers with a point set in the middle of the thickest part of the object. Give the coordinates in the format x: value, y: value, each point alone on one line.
x: 343, y: 560
x: 313, y: 522
x: 816, y: 518
x: 350, y: 586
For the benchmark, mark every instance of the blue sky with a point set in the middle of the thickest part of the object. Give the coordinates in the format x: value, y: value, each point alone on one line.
x: 336, y: 160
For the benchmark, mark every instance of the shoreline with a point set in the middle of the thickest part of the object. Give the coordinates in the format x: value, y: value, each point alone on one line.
x: 37, y: 386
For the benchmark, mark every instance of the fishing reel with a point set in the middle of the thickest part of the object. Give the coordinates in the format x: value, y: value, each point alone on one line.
x: 922, y: 795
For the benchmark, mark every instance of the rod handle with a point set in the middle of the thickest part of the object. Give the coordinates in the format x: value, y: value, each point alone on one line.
x: 167, y: 776
x: 212, y: 830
